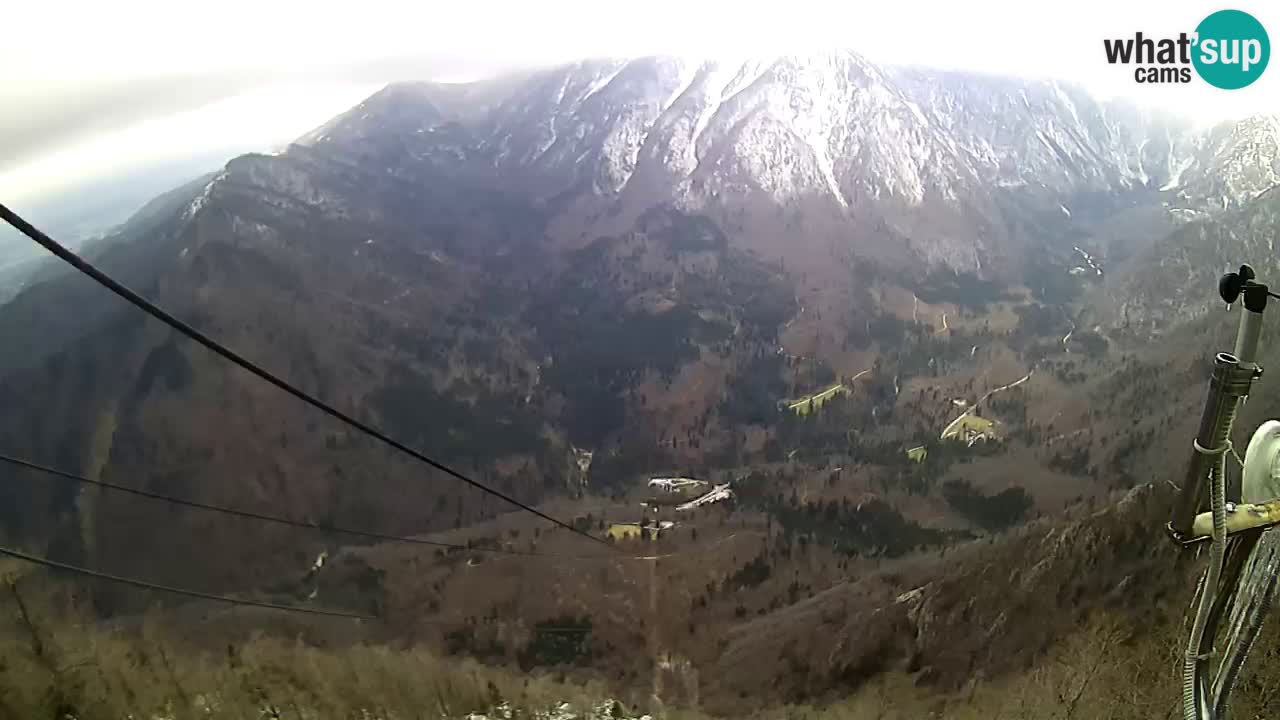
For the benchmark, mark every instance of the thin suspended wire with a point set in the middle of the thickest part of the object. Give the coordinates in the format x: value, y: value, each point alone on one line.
x: 55, y: 565
x: 321, y: 527
x: 83, y: 266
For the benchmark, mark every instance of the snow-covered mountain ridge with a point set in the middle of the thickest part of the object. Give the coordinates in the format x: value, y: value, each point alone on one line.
x: 918, y: 153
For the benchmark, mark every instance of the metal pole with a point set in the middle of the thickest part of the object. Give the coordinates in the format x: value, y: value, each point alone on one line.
x: 1246, y: 349
x: 1227, y: 384
x: 1233, y: 375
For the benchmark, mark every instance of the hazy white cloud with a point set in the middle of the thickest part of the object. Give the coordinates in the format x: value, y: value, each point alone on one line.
x: 257, y: 119
x: 100, y: 84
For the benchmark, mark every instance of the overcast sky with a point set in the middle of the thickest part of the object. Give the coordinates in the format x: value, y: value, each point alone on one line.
x: 89, y: 89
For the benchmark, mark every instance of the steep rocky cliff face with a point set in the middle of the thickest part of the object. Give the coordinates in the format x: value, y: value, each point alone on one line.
x: 924, y: 168
x: 1231, y: 165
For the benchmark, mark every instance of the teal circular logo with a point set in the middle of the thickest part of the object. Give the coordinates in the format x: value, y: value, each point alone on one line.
x: 1232, y: 49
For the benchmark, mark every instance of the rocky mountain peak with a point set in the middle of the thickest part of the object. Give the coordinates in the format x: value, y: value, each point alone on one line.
x: 1235, y: 162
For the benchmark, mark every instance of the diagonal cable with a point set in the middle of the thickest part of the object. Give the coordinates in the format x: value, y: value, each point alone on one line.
x: 55, y: 565
x: 83, y: 266
x: 321, y: 527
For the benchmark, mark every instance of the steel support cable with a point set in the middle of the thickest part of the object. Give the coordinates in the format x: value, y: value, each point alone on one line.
x: 64, y: 567
x: 55, y: 565
x: 321, y: 527
x: 83, y: 266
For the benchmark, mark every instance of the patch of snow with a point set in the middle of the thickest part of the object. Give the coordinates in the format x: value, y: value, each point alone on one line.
x: 602, y: 82
x: 915, y: 110
x: 687, y: 76
x: 910, y: 595
x: 748, y: 73
x: 621, y: 150
x: 826, y: 167
x: 1045, y: 141
x: 671, y: 484
x: 202, y: 198
x: 1175, y: 177
x: 564, y: 85
x: 1066, y: 102
x: 717, y: 83
x: 547, y: 142
x: 720, y: 492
